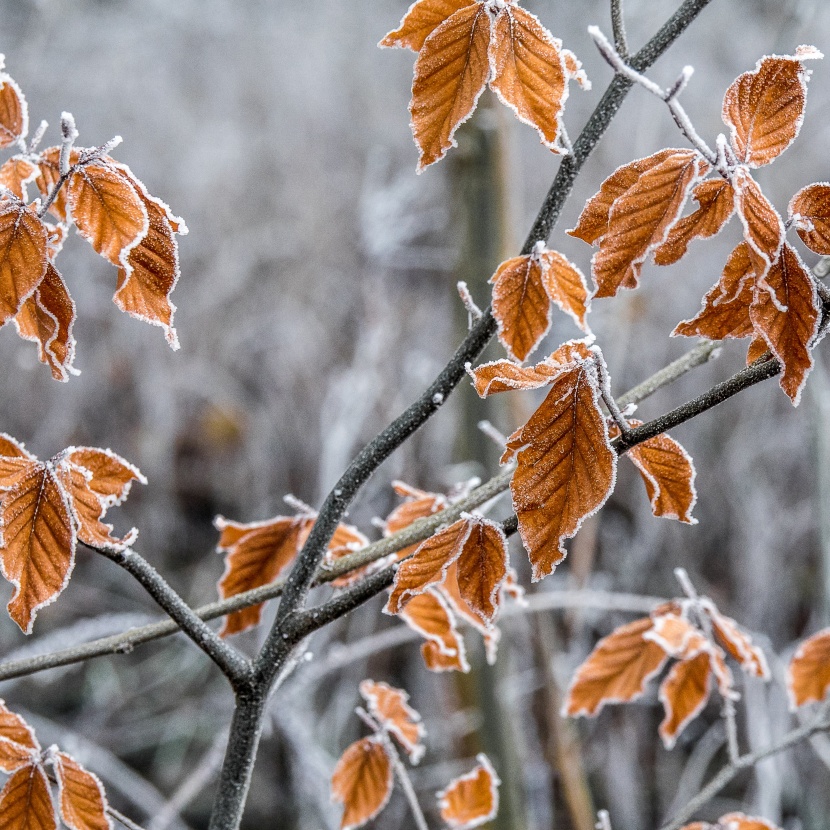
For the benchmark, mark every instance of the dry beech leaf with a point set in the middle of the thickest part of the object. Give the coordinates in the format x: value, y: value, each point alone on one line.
x: 418, y: 504
x: 429, y: 614
x: 423, y: 17
x: 107, y: 210
x: 616, y: 671
x: 16, y: 173
x: 471, y: 799
x: 717, y: 204
x: 565, y: 464
x: 725, y: 309
x: 347, y: 539
x: 389, y: 707
x: 83, y: 804
x: 505, y: 376
x: 26, y: 803
x: 482, y: 569
x: 763, y: 227
x: 675, y: 634
x: 46, y: 318
x: 741, y: 821
x: 640, y: 219
x: 362, y: 782
x: 789, y: 332
x: 18, y: 745
x: 683, y: 694
x: 808, y: 675
x: 14, y: 112
x: 450, y: 591
x: 737, y: 643
x: 450, y: 74
x: 764, y: 108
x: 811, y: 209
x: 757, y: 349
x: 529, y: 74
x: 23, y: 256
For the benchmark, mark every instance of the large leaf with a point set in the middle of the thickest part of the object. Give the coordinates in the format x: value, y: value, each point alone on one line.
x: 23, y: 258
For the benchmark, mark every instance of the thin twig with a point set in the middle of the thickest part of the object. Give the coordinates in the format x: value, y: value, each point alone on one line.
x: 618, y: 27
x: 603, y: 820
x: 474, y: 313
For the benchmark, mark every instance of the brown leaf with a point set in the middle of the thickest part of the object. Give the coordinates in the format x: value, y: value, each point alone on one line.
x: 640, y: 219
x: 345, y: 540
x: 675, y: 635
x: 83, y: 804
x: 616, y: 671
x: 529, y: 74
x: 810, y: 207
x: 725, y: 309
x: 683, y: 694
x: 423, y: 17
x: 740, y: 821
x: 256, y: 554
x: 482, y: 568
x: 505, y: 376
x: 430, y: 616
x: 148, y: 275
x: 14, y: 112
x: 717, y: 204
x: 16, y: 173
x: 110, y: 476
x: 26, y: 803
x: 471, y: 799
x: 450, y: 74
x: 593, y: 221
x: 46, y: 317
x: 757, y: 349
x: 107, y: 210
x: 566, y: 286
x: 567, y: 467
x: 22, y: 256
x: 788, y: 331
x: 18, y: 744
x: 389, y: 707
x: 362, y: 782
x: 808, y: 676
x: 764, y: 108
x: 763, y: 227
x: 418, y: 504
x: 428, y: 565
x: 737, y: 643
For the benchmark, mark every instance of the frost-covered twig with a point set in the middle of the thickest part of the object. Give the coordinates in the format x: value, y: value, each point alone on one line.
x: 618, y: 27
x: 603, y: 820
x: 474, y: 313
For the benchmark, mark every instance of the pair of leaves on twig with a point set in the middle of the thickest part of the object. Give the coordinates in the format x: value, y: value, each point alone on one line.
x: 622, y: 663
x: 364, y: 776
x: 766, y: 292
x: 566, y: 465
x: 462, y: 46
x: 26, y: 799
x: 110, y: 208
x: 45, y: 508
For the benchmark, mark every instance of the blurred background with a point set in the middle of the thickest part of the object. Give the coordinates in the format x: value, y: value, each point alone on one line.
x: 317, y: 299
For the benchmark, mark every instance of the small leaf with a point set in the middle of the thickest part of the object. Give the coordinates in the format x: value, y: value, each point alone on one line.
x: 788, y: 331
x: 423, y: 17
x: 450, y: 74
x: 717, y: 204
x: 23, y: 257
x: 26, y: 803
x: 683, y: 694
x: 16, y: 173
x: 566, y: 286
x: 764, y: 108
x: 757, y: 349
x: 506, y: 376
x: 362, y: 782
x: 811, y: 206
x: 418, y: 504
x: 616, y: 671
x: 18, y: 745
x: 14, y: 112
x: 83, y: 804
x: 737, y: 643
x: 471, y: 799
x: 389, y: 707
x: 740, y: 821
x: 430, y: 616
x: 763, y: 227
x: 482, y: 568
x: 808, y: 676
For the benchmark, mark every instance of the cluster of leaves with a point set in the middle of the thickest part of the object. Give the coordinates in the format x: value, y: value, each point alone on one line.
x: 691, y: 632
x: 364, y: 776
x: 464, y: 45
x: 26, y: 799
x: 46, y: 507
x: 109, y: 207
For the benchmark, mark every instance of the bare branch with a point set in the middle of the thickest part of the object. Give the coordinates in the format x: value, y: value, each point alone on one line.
x: 618, y: 27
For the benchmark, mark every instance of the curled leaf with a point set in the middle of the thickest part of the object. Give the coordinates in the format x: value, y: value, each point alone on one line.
x: 429, y: 614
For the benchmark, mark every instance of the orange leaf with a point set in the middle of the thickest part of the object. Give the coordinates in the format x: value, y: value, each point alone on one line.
x: 529, y: 74
x: 565, y: 285
x: 347, y: 539
x: 683, y: 694
x: 505, y: 376
x: 428, y: 565
x: 757, y: 349
x: 14, y: 113
x: 46, y: 318
x: 808, y: 676
x: 107, y: 210
x: 640, y: 219
x: 675, y: 635
x: 362, y: 782
x: 566, y: 469
x: 471, y: 799
x: 788, y: 331
x: 389, y: 707
x: 482, y: 568
x: 257, y: 553
x: 450, y: 74
x: 22, y: 256
x: 725, y: 309
x: 83, y: 804
x: 423, y: 17
x: 16, y: 173
x: 110, y: 476
x: 717, y: 204
x: 18, y: 744
x: 429, y: 614
x: 616, y: 671
x: 26, y: 803
x: 740, y: 821
x: 763, y: 227
x: 737, y: 643
x: 764, y: 108
x: 593, y: 221
x: 418, y: 504
x: 811, y: 209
